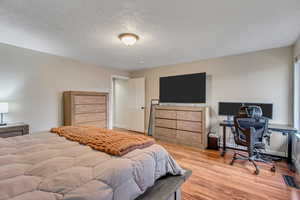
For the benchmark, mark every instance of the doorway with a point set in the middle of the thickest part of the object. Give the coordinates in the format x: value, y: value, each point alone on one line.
x: 128, y: 99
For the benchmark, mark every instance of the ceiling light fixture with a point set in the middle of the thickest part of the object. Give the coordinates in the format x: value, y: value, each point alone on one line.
x: 128, y: 39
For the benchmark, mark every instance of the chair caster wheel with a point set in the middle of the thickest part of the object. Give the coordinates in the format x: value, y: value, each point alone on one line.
x: 273, y: 169
x: 232, y: 161
x: 256, y: 172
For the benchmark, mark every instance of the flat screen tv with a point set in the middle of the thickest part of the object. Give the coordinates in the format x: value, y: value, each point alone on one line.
x: 189, y: 88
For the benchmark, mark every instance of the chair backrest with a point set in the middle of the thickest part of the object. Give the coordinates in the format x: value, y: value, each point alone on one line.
x: 250, y: 112
x: 249, y: 121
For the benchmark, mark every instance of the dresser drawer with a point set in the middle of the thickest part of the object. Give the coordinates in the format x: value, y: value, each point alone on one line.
x: 189, y: 138
x: 98, y: 124
x: 13, y: 129
x: 189, y: 115
x: 189, y: 126
x: 165, y: 134
x: 184, y: 125
x: 168, y: 114
x: 90, y: 117
x: 90, y: 108
x: 167, y: 123
x: 10, y: 134
x: 89, y: 99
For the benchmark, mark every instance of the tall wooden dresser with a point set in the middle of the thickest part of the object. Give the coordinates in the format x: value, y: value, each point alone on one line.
x: 182, y: 124
x: 85, y: 108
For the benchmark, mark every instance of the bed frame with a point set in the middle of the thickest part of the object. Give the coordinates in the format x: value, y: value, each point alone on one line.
x: 166, y: 188
x: 90, y: 108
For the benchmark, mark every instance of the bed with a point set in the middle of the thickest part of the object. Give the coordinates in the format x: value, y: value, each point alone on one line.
x: 49, y: 167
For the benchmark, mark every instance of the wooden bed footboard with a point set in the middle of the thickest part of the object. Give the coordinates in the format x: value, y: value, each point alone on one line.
x: 166, y: 188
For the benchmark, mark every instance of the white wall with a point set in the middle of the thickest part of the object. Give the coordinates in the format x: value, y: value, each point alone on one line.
x: 121, y: 101
x: 33, y: 82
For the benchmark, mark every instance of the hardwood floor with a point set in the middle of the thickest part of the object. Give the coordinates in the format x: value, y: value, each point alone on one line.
x: 214, y: 179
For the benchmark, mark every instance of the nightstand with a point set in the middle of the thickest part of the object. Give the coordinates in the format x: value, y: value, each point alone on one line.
x: 14, y: 129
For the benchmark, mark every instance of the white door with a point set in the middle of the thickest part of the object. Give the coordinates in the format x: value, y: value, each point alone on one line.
x: 136, y: 104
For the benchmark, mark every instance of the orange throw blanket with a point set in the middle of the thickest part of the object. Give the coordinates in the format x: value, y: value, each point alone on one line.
x: 108, y: 141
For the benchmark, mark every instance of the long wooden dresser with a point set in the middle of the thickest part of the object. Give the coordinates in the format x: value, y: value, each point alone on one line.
x: 182, y: 124
x: 85, y: 108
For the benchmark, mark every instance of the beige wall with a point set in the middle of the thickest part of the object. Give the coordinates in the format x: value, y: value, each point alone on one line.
x: 33, y: 82
x: 262, y: 76
x: 296, y: 145
x: 296, y: 150
x: 297, y: 48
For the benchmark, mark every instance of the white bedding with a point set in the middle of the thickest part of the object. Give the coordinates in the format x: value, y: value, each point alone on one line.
x: 45, y: 166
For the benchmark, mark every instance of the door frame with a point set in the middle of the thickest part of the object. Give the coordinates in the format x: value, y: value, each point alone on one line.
x: 112, y: 98
x: 296, y: 93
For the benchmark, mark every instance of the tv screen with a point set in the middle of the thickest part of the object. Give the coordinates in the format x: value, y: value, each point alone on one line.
x: 190, y: 88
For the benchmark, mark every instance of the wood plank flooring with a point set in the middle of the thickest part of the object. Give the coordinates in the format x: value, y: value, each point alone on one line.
x: 214, y: 179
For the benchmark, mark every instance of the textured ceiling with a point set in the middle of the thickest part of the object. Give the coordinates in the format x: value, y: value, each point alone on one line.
x: 171, y: 31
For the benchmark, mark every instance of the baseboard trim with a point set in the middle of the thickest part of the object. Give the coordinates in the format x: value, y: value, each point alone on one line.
x: 277, y: 153
x: 120, y: 126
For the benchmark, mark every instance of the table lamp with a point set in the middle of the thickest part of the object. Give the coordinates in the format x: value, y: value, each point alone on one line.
x: 3, y: 110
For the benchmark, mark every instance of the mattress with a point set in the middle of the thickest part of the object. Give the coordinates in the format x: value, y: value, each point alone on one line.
x: 49, y: 167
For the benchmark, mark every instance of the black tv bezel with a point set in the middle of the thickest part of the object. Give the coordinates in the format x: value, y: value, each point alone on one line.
x: 184, y: 102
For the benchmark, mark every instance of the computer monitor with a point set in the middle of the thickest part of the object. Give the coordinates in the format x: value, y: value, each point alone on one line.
x: 267, y: 108
x: 232, y: 108
x: 229, y: 108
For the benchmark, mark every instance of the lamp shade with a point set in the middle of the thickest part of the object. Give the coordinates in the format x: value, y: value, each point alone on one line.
x: 3, y: 107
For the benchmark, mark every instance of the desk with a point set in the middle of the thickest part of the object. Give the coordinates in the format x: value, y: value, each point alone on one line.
x: 286, y: 130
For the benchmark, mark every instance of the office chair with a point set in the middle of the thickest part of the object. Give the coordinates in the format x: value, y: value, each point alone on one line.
x: 250, y: 130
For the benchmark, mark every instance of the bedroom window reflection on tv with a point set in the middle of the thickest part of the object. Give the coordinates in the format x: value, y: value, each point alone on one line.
x: 189, y: 88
